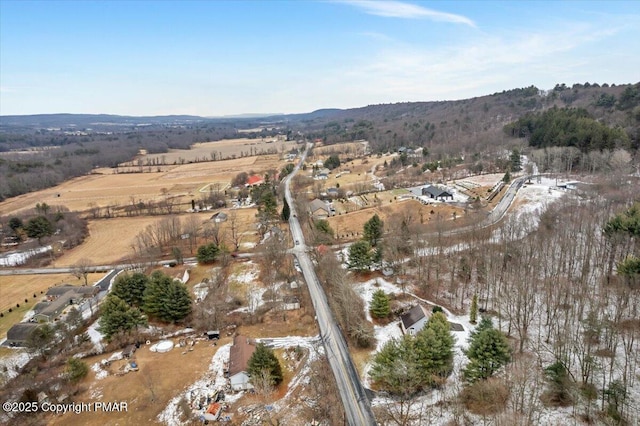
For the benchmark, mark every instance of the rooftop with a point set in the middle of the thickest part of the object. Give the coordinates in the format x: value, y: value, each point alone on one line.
x: 239, y: 354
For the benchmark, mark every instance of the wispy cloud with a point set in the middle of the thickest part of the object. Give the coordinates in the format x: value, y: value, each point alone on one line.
x: 475, y: 66
x: 398, y: 9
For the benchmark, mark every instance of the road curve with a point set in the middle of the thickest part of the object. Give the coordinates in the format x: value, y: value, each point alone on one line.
x: 356, y: 405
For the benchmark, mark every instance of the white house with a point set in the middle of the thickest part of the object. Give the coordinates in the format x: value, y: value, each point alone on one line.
x: 290, y: 303
x: 413, y: 320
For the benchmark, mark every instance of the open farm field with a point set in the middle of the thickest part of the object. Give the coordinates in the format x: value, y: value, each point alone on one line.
x: 181, y: 183
x: 111, y: 240
x: 15, y: 289
x: 224, y: 149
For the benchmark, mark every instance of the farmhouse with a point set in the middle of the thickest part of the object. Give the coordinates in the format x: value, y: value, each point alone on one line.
x: 80, y: 292
x: 58, y: 298
x: 239, y: 355
x: 318, y: 209
x: 413, y: 320
x: 219, y: 217
x: 436, y: 193
x: 19, y: 334
x: 254, y: 180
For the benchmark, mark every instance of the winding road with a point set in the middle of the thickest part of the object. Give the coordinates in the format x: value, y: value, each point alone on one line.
x: 356, y: 405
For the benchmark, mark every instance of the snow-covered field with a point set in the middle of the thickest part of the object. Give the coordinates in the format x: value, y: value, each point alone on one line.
x: 19, y: 258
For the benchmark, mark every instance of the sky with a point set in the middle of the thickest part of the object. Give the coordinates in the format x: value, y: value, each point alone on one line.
x: 216, y: 58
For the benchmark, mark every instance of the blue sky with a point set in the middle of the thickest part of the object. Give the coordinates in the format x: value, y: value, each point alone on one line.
x: 215, y: 58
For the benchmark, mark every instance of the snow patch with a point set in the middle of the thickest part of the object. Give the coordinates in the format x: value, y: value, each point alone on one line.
x: 16, y: 258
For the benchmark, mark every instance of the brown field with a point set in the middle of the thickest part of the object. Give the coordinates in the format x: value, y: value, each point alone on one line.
x: 228, y: 148
x: 14, y: 289
x: 353, y: 222
x: 111, y: 240
x: 347, y: 149
x: 147, y: 392
x: 105, y: 187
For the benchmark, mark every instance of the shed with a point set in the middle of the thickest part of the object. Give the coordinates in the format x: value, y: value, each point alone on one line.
x: 213, y: 334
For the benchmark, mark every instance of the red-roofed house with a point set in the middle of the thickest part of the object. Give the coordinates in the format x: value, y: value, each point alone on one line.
x: 254, y: 180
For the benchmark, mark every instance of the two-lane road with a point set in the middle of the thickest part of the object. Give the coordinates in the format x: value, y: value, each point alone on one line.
x: 356, y: 405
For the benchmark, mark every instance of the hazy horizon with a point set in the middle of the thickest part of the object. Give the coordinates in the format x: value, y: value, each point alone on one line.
x: 217, y: 59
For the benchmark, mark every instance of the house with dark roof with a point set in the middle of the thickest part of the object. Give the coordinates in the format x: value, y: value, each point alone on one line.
x: 81, y: 292
x: 59, y: 298
x: 413, y: 320
x: 19, y: 334
x: 436, y: 193
x: 239, y: 356
x: 319, y: 209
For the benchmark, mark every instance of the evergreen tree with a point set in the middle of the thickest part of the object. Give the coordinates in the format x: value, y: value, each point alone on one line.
x: 434, y: 345
x: 507, y: 177
x: 488, y: 351
x: 39, y: 227
x: 332, y: 162
x: 396, y: 368
x: 117, y: 316
x: 178, y: 302
x: 380, y: 305
x: 130, y: 288
x: 410, y: 364
x: 373, y: 229
x: 207, y: 253
x: 269, y: 205
x: 323, y: 226
x: 263, y: 359
x: 516, y: 163
x: 76, y: 369
x: 15, y: 223
x: 166, y: 299
x: 473, y: 314
x: 360, y: 255
x: 286, y: 210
